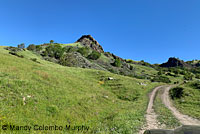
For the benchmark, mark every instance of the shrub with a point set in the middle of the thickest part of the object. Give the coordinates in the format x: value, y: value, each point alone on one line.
x: 188, y: 76
x: 176, y: 92
x: 21, y: 46
x: 33, y: 59
x: 197, y: 76
x: 161, y: 79
x: 140, y: 76
x: 38, y: 48
x: 94, y: 55
x: 68, y: 60
x: 55, y: 51
x: 31, y: 47
x: 15, y: 54
x: 13, y: 49
x: 160, y: 72
x: 70, y: 49
x: 84, y: 51
x: 131, y: 67
x: 117, y: 63
x: 195, y: 85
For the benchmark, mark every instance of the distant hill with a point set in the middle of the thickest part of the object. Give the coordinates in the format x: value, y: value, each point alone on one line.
x: 175, y: 62
x: 86, y: 52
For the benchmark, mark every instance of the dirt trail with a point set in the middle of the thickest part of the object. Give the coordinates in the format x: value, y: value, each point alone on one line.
x: 151, y: 121
x: 184, y: 119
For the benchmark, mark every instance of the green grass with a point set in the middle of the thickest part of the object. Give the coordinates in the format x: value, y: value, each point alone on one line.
x: 72, y: 44
x: 57, y: 95
x: 189, y: 103
x: 104, y: 58
x: 165, y: 116
x: 140, y: 69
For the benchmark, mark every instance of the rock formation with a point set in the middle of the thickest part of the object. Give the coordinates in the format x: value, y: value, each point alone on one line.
x: 175, y: 62
x: 89, y: 41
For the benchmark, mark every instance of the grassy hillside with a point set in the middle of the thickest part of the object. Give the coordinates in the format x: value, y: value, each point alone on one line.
x: 189, y: 102
x: 72, y: 44
x: 45, y: 93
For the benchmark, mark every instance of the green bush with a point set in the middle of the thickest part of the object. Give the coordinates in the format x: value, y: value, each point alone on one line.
x: 70, y: 49
x: 195, y: 85
x: 188, y: 76
x: 55, y: 51
x: 34, y: 59
x: 38, y: 48
x: 15, y: 54
x: 197, y: 76
x: 117, y: 63
x: 13, y: 49
x: 176, y: 92
x: 31, y: 47
x: 68, y: 60
x: 84, y: 51
x: 160, y: 72
x: 94, y: 55
x: 21, y: 46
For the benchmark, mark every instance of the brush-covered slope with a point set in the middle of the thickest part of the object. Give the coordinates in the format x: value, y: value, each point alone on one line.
x: 86, y: 52
x: 39, y: 92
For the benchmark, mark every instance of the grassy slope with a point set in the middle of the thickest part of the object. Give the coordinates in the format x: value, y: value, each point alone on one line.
x: 143, y: 69
x: 72, y: 44
x: 62, y: 95
x: 189, y: 104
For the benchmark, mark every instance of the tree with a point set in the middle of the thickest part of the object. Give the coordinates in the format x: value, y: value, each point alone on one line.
x: 21, y: 46
x: 31, y: 47
x: 51, y: 41
x: 117, y: 63
x: 55, y: 51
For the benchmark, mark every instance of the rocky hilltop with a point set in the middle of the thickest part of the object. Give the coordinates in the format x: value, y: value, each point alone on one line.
x: 89, y: 41
x: 175, y: 62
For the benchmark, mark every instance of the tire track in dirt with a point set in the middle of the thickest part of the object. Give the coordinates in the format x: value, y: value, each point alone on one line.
x: 151, y: 117
x: 184, y: 119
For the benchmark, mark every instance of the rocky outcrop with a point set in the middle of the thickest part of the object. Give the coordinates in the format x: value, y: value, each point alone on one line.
x: 175, y: 62
x: 89, y: 41
x: 75, y: 59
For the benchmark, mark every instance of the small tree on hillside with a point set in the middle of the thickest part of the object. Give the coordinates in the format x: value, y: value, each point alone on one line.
x: 21, y: 46
x: 31, y: 47
x: 51, y: 41
x: 117, y: 63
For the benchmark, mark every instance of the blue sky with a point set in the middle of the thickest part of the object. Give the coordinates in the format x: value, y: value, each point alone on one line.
x: 150, y: 30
